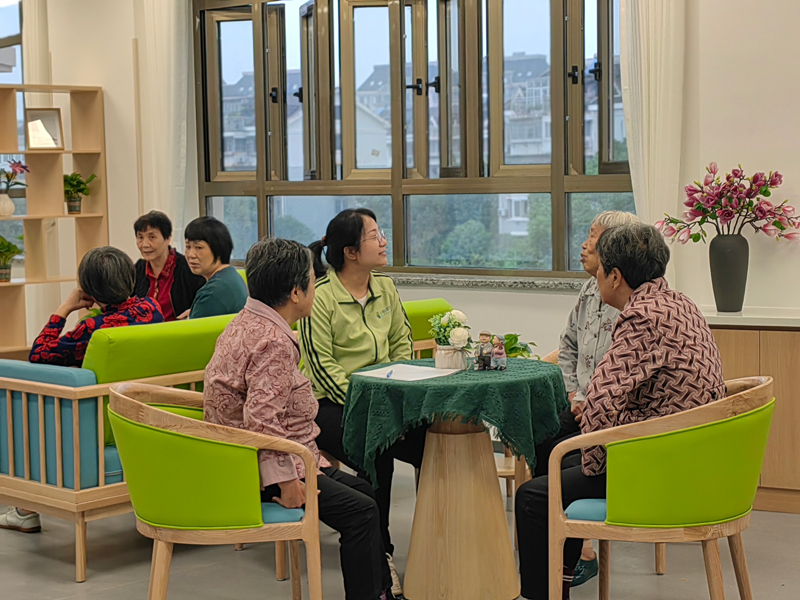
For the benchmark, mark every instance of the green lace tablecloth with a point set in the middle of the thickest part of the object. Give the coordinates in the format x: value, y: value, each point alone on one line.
x: 522, y: 402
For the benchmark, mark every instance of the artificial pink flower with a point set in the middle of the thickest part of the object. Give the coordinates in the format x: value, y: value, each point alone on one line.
x: 709, y: 179
x: 17, y: 167
x: 713, y: 168
x: 691, y: 202
x: 770, y: 230
x: 788, y: 210
x: 685, y: 236
x: 759, y: 180
x: 659, y: 225
x: 794, y: 236
x: 737, y: 173
x: 763, y: 209
x: 726, y: 215
x: 690, y: 190
x: 775, y: 179
x: 669, y: 231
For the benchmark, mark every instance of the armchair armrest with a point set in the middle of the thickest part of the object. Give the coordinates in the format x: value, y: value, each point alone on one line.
x: 165, y: 395
x: 551, y: 358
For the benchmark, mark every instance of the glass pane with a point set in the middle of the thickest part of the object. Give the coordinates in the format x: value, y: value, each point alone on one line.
x: 373, y: 88
x: 434, y: 157
x: 454, y: 85
x: 240, y: 214
x: 337, y: 99
x: 526, y: 82
x: 497, y: 231
x: 591, y: 91
x: 485, y: 85
x: 410, y: 93
x: 311, y: 95
x: 583, y: 208
x: 619, y: 138
x: 9, y: 19
x: 11, y: 65
x: 237, y: 92
x: 305, y: 218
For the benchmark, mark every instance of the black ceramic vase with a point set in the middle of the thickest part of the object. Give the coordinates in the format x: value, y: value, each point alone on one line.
x: 729, y: 256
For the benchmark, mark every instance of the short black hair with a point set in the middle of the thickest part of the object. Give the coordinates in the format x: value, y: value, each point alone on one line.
x: 107, y: 274
x: 214, y: 233
x: 155, y: 219
x: 637, y: 250
x: 345, y: 229
x: 274, y: 267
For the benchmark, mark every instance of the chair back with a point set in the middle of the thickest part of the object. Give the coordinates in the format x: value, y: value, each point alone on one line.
x: 176, y: 478
x: 704, y: 474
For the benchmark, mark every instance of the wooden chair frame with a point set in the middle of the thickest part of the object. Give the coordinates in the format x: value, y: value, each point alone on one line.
x: 130, y: 401
x: 744, y: 395
x: 76, y: 505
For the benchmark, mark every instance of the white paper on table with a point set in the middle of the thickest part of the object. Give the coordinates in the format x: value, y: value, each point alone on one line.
x: 403, y: 372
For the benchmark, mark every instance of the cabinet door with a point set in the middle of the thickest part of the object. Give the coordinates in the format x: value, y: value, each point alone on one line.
x: 780, y: 358
x: 739, y: 351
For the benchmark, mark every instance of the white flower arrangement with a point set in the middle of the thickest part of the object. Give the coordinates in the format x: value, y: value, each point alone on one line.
x: 451, y: 329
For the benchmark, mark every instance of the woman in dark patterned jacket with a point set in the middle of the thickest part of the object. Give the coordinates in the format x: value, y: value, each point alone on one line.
x: 106, y: 277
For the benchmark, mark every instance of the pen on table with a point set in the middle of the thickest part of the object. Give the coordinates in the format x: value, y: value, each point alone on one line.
x: 389, y: 374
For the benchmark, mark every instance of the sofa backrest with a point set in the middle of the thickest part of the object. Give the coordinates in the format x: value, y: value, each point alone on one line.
x: 419, y: 313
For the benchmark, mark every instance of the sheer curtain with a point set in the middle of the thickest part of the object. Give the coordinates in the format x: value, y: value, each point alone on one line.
x: 166, y: 110
x: 651, y: 58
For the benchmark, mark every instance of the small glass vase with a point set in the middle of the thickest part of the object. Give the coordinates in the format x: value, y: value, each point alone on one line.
x: 448, y: 357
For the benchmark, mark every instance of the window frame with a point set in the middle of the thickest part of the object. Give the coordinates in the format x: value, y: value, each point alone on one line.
x: 400, y: 182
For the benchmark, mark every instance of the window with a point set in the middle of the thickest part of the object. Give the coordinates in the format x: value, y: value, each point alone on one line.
x: 485, y: 134
x: 240, y: 214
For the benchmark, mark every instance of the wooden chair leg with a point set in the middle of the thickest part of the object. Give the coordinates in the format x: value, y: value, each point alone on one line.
x: 604, y: 575
x: 661, y: 558
x: 80, y: 547
x: 314, y: 568
x: 509, y: 481
x: 294, y: 570
x: 556, y: 558
x: 740, y: 566
x: 159, y: 570
x: 280, y: 561
x: 711, y: 557
x: 238, y: 547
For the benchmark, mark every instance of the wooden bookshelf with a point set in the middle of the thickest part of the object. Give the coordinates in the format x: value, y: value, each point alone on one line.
x: 84, y: 125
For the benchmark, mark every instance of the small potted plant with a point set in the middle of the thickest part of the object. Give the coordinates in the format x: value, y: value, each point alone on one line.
x: 452, y: 340
x: 7, y: 253
x: 75, y: 188
x: 8, y: 179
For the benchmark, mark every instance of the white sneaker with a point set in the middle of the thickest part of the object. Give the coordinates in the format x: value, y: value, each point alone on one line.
x: 397, y: 589
x: 19, y: 522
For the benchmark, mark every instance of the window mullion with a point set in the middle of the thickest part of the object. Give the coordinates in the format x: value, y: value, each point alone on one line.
x: 558, y: 119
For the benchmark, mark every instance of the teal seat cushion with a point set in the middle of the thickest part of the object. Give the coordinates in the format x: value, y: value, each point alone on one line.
x: 52, y: 374
x: 588, y: 509
x: 113, y: 465
x: 275, y: 513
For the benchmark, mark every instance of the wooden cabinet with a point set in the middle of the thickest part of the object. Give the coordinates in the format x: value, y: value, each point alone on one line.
x: 747, y: 352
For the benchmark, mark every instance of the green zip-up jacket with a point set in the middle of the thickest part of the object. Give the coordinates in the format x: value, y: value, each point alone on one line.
x: 341, y: 337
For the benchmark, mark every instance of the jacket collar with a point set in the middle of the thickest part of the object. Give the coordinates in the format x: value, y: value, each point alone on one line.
x: 269, y: 313
x: 342, y: 296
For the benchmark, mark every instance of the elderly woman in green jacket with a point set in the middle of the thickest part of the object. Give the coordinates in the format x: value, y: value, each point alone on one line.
x: 357, y: 320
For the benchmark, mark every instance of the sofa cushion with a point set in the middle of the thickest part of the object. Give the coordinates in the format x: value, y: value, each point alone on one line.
x: 275, y: 513
x: 52, y: 374
x: 588, y: 509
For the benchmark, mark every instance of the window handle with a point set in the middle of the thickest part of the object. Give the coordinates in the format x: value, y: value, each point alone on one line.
x: 273, y: 94
x: 299, y: 94
x: 573, y: 74
x: 597, y: 71
x: 435, y: 85
x: 416, y: 86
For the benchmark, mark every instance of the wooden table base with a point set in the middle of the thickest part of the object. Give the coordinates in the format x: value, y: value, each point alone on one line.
x: 460, y: 546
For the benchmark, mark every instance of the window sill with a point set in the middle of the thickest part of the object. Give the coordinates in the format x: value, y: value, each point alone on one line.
x: 549, y: 284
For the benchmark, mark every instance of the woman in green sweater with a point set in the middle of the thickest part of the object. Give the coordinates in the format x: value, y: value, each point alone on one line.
x: 208, y: 252
x: 357, y: 320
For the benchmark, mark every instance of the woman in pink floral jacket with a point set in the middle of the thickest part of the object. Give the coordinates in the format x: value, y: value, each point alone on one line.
x: 253, y: 382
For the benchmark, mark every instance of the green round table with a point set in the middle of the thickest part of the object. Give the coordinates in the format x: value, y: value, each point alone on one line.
x: 460, y: 544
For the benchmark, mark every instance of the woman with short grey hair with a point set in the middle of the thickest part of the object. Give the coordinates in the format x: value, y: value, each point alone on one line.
x: 106, y: 277
x: 253, y: 382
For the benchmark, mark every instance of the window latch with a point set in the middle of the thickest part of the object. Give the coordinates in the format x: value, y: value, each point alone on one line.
x: 416, y: 86
x: 299, y: 94
x: 273, y: 94
x: 574, y: 75
x: 435, y: 85
x: 597, y: 71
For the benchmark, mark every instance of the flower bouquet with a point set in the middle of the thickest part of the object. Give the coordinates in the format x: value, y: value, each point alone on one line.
x: 453, y: 341
x: 8, y: 180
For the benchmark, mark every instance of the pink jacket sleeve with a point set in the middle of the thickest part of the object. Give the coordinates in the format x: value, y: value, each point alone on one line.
x: 269, y: 379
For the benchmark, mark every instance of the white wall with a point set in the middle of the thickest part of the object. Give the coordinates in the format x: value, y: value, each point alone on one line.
x: 538, y: 317
x: 740, y: 106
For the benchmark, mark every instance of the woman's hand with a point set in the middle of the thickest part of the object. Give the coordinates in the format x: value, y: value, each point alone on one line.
x: 293, y: 494
x: 76, y: 300
x: 184, y: 315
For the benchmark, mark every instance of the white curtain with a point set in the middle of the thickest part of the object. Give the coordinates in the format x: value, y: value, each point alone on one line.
x: 166, y: 108
x: 651, y: 58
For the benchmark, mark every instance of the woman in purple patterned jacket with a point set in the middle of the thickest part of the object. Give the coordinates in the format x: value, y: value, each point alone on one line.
x: 253, y: 382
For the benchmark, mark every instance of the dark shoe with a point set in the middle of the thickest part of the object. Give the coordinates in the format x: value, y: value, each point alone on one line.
x: 585, y: 570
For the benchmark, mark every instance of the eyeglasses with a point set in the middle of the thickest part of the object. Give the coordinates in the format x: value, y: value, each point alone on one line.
x: 380, y: 236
